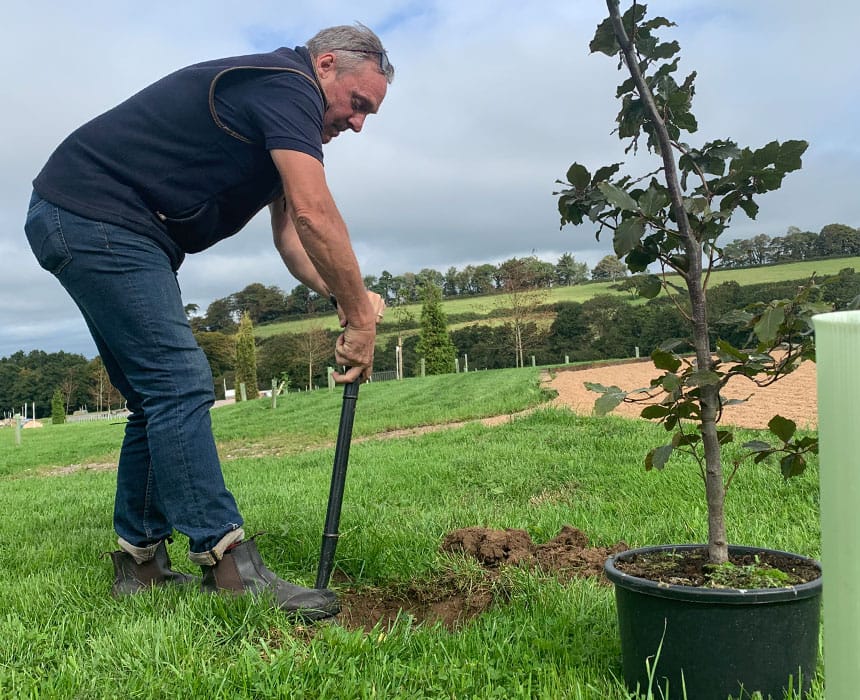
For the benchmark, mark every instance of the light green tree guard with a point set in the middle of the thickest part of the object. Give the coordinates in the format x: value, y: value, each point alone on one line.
x: 837, y: 352
x: 246, y: 360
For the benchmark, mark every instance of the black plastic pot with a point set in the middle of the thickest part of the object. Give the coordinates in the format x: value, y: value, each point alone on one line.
x: 715, y: 643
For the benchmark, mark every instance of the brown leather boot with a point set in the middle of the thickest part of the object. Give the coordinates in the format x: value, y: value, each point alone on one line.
x: 241, y: 570
x: 134, y: 573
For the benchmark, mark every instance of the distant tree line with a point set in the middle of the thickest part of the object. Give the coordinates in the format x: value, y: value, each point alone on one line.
x: 833, y: 241
x: 270, y: 304
x: 35, y: 378
x: 609, y: 326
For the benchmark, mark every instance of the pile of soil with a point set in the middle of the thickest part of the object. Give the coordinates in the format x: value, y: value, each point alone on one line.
x: 452, y: 602
x: 567, y: 555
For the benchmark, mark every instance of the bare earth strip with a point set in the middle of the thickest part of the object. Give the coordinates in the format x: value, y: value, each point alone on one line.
x: 793, y: 396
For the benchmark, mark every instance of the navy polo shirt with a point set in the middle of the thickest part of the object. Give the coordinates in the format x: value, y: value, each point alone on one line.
x: 186, y: 161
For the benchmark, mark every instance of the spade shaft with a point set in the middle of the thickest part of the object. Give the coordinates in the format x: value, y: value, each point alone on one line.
x: 338, y: 480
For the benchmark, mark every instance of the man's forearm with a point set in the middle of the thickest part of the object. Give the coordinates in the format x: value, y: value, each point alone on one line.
x: 329, y: 252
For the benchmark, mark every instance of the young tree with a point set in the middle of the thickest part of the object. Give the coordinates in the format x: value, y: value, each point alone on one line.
x: 524, y: 295
x: 316, y: 347
x: 434, y: 343
x: 675, y: 223
x: 246, y: 359
x: 58, y: 412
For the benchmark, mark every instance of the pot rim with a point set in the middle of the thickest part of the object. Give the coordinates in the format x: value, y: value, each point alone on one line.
x: 737, y: 596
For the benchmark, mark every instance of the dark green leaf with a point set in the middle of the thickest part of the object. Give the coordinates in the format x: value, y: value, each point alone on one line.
x: 670, y: 383
x: 665, y: 360
x: 639, y: 259
x: 792, y: 465
x: 789, y: 155
x: 654, y: 412
x: 593, y: 386
x: 726, y: 351
x: 724, y: 437
x: 657, y: 458
x: 604, y: 40
x: 627, y: 235
x: 617, y: 197
x: 750, y: 207
x: 605, y: 173
x: 686, y: 439
x: 578, y: 176
x: 652, y: 201
x: 649, y: 286
x: 768, y: 325
x: 606, y: 403
x: 666, y: 49
x: 783, y: 428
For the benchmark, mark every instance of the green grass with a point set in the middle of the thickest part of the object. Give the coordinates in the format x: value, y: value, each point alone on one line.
x: 485, y: 305
x: 64, y: 637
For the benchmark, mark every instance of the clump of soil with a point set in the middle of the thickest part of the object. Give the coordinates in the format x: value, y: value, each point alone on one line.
x: 692, y: 568
x: 567, y: 555
x: 451, y: 601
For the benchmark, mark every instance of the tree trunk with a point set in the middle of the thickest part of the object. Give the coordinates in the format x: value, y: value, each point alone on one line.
x: 715, y: 490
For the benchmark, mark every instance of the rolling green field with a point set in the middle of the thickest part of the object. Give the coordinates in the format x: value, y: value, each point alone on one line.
x: 542, y: 637
x: 486, y: 305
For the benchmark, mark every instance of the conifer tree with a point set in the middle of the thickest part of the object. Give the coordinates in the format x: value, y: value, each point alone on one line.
x: 246, y: 359
x: 58, y: 410
x: 434, y: 344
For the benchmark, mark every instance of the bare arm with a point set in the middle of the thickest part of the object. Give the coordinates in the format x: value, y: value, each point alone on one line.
x: 292, y: 251
x: 323, y: 236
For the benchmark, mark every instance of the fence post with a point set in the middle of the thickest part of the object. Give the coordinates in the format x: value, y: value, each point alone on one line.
x: 423, y: 367
x: 274, y: 393
x: 567, y: 359
x: 466, y: 362
x: 457, y: 365
x: 242, y: 391
x: 329, y: 371
x: 533, y: 360
x: 637, y: 352
x: 18, y: 422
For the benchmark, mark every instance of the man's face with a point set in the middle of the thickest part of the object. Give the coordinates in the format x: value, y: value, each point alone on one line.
x: 351, y: 95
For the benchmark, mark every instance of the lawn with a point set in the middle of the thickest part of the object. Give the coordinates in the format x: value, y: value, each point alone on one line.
x: 539, y: 636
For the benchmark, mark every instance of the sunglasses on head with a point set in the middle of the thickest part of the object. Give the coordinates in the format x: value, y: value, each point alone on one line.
x: 384, y: 64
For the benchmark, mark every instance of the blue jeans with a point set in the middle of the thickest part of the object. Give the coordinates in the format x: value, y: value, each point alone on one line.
x: 169, y: 475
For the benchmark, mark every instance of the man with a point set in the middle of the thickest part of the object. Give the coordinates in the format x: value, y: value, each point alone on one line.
x: 172, y: 170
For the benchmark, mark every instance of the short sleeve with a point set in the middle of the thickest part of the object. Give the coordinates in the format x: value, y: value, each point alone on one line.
x: 277, y: 109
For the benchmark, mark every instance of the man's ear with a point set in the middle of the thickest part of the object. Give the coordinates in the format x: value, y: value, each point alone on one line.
x: 326, y: 65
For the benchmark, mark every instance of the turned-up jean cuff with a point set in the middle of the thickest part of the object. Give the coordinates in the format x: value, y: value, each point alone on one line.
x: 216, y: 554
x: 140, y: 555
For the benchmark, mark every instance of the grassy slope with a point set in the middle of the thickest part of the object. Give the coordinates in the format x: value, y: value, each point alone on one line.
x: 485, y: 305
x: 63, y: 637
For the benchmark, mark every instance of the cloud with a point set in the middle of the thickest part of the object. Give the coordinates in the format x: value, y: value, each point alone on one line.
x: 491, y: 103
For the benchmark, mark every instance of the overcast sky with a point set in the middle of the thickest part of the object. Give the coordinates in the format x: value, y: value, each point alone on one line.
x: 492, y: 101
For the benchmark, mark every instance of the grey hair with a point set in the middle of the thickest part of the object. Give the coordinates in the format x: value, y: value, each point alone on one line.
x: 353, y: 45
